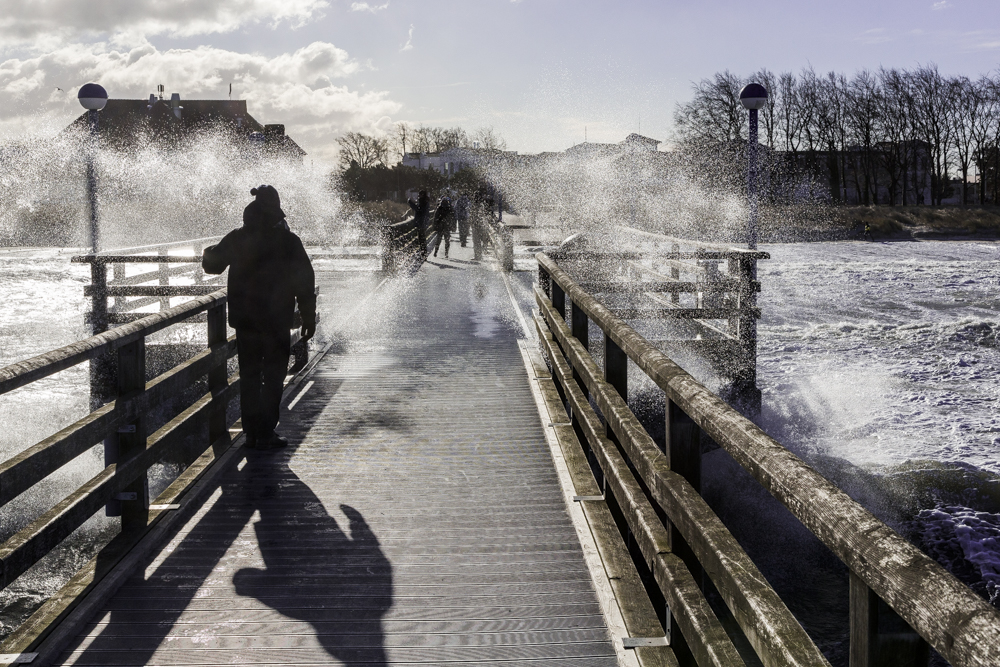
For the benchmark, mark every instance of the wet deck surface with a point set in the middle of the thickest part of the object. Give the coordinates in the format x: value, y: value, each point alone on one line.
x: 416, y: 518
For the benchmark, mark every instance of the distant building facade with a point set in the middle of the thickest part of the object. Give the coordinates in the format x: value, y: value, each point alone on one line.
x: 452, y: 160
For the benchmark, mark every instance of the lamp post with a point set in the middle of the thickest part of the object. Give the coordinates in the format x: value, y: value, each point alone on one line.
x: 753, y: 97
x: 92, y: 97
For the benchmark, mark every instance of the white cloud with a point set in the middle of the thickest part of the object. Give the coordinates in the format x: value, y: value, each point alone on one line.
x: 943, y: 4
x: 27, y: 20
x: 296, y: 89
x: 409, y: 41
x: 365, y: 7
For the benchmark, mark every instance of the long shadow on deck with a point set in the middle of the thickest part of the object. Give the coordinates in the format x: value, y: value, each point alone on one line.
x: 314, y: 572
x: 340, y: 584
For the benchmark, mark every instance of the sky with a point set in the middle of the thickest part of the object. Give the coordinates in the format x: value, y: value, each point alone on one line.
x: 544, y: 74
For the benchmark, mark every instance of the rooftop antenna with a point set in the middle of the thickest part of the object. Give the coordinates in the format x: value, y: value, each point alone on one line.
x: 230, y: 91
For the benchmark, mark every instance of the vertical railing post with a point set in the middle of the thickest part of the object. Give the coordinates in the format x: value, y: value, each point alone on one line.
x: 579, y: 324
x: 683, y: 449
x: 217, y: 377
x: 875, y: 640
x: 118, y: 276
x: 615, y: 371
x: 163, y: 271
x: 199, y: 274
x: 747, y: 394
x: 675, y: 272
x: 864, y: 623
x: 131, y: 438
x: 102, y: 381
x: 98, y: 297
x: 544, y: 281
x: 580, y: 329
x: 559, y: 300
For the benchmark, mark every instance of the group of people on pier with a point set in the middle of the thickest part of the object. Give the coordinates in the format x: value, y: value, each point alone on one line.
x: 465, y: 214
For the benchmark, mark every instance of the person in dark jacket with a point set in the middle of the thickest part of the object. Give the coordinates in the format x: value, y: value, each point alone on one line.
x: 444, y: 220
x: 421, y: 216
x: 269, y: 271
x: 462, y: 216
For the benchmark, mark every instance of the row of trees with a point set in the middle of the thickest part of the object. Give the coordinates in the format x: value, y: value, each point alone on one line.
x: 368, y: 150
x: 881, y: 132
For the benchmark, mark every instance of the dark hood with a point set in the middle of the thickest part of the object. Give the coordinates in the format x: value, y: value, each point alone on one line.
x: 262, y: 215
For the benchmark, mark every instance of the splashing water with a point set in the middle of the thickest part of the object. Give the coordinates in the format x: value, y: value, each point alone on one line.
x: 157, y: 191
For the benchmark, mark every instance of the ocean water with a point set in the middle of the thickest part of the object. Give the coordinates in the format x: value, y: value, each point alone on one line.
x: 878, y: 364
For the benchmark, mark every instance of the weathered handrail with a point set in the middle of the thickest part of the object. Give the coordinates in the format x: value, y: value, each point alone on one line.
x: 962, y: 627
x: 27, y: 371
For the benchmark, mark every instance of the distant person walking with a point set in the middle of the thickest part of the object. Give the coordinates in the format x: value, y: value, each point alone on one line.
x: 421, y: 216
x: 868, y: 233
x: 269, y: 271
x: 462, y: 216
x: 482, y: 207
x: 444, y: 220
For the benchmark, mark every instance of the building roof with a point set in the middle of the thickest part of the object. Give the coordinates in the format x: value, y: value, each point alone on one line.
x: 127, y: 122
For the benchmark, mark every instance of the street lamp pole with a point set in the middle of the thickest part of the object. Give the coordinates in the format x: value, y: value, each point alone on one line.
x: 92, y: 97
x: 753, y: 97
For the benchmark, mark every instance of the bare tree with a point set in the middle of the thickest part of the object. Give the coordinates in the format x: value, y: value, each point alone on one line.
x: 715, y: 114
x: 863, y: 124
x: 894, y: 130
x: 986, y: 133
x: 361, y: 149
x: 402, y: 134
x: 489, y: 139
x: 933, y: 110
x: 767, y: 79
x: 967, y: 112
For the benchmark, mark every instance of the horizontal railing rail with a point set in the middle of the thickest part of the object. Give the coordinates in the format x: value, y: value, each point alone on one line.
x: 23, y: 372
x: 957, y: 623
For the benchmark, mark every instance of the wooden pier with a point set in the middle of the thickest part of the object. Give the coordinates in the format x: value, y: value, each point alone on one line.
x: 466, y: 484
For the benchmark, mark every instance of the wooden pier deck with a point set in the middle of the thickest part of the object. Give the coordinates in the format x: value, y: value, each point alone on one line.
x: 416, y: 517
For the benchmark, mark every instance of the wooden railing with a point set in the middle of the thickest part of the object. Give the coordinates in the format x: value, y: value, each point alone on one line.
x: 122, y: 426
x: 680, y: 279
x: 401, y: 246
x: 668, y: 518
x: 123, y: 289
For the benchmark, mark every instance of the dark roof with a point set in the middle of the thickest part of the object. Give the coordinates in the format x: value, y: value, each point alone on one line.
x: 125, y: 122
x: 638, y: 138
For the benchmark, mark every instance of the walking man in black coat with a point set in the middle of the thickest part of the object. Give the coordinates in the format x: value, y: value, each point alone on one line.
x: 421, y: 217
x: 269, y: 271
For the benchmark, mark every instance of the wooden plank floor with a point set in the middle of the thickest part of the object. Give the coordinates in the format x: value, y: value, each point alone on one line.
x: 416, y: 518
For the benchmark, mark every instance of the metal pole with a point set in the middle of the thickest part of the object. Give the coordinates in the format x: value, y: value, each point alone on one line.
x: 92, y: 180
x: 752, y: 181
